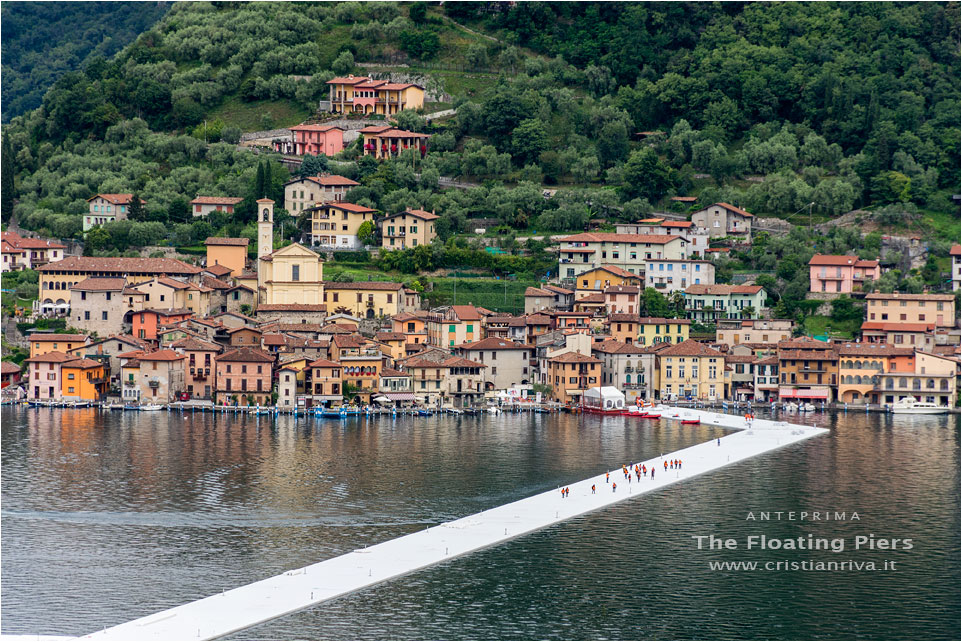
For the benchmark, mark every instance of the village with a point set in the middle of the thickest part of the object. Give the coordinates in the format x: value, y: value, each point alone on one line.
x: 269, y: 332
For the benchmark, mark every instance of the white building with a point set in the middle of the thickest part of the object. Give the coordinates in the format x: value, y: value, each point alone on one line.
x: 107, y: 208
x: 204, y: 205
x: 722, y: 219
x: 582, y: 252
x: 697, y: 237
x: 956, y: 253
x: 667, y: 275
x: 302, y: 193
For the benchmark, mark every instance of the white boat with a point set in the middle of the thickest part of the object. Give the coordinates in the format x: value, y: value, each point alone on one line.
x: 791, y: 407
x: 912, y: 406
x: 806, y: 407
x: 493, y: 409
x: 152, y: 406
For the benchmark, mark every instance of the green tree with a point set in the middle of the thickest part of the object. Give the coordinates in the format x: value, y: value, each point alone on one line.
x: 366, y: 232
x: 7, y: 159
x: 528, y: 140
x: 418, y: 12
x: 645, y: 176
x: 343, y: 64
x: 136, y: 210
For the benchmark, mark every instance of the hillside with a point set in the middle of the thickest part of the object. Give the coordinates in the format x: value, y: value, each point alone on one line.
x: 44, y: 40
x: 793, y: 110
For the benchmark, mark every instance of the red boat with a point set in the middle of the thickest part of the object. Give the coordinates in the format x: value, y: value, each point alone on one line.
x: 691, y: 422
x: 650, y: 416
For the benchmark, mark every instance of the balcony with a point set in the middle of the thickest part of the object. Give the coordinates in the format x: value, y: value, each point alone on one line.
x: 154, y: 383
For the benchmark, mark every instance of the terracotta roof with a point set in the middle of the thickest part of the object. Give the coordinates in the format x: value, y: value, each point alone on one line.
x: 192, y: 343
x: 123, y: 265
x: 170, y: 312
x: 264, y: 200
x: 607, y: 237
x: 873, y: 349
x: 466, y: 312
x: 33, y: 338
x: 324, y: 363
x: 681, y: 224
x: 722, y: 290
x: 557, y: 290
x: 897, y: 327
x: 246, y: 354
x: 622, y: 289
x: 315, y: 128
x: 530, y: 291
x: 460, y: 362
x: 337, y: 328
x: 216, y: 200
x: 685, y: 199
x: 737, y: 210
x: 618, y: 317
x: 537, y: 319
x: 613, y: 269
x: 223, y: 240
x: 767, y: 361
x: 348, y: 80
x: 494, y: 343
x: 273, y: 340
x: 327, y: 180
x: 596, y: 297
x: 659, y: 320
x: 18, y: 242
x: 421, y: 214
x: 392, y: 132
x: 218, y: 270
x: 350, y: 207
x: 162, y: 355
x: 574, y: 357
x: 374, y: 129
x: 391, y: 372
x: 956, y: 250
x: 900, y: 296
x: 116, y: 199
x: 363, y: 285
x: 865, y: 263
x: 833, y: 259
x: 100, y: 284
x: 291, y: 307
x: 8, y: 368
x: 739, y: 358
x: 299, y: 327
x: 83, y: 363
x: 215, y: 284
x: 51, y: 357
x: 651, y: 221
x: 803, y: 342
x: 390, y: 336
x: 690, y: 348
x: 173, y: 283
x: 612, y: 346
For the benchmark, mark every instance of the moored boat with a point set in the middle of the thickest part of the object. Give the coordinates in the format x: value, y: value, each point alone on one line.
x: 912, y: 406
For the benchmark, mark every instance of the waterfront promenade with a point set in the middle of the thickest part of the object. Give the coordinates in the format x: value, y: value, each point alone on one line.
x: 246, y: 606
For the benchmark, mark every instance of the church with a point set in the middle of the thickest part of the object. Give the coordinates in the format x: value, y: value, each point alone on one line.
x: 292, y: 274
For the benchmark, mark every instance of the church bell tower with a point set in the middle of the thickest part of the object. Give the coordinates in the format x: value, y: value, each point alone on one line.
x: 265, y: 227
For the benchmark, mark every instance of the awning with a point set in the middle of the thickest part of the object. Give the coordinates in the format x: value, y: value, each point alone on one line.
x: 399, y: 396
x: 745, y: 390
x: 803, y: 394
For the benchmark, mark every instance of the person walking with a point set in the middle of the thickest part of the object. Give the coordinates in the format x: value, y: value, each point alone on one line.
x: 719, y: 441
x: 606, y: 477
x: 592, y: 489
x: 652, y: 473
x: 614, y: 486
x: 679, y: 464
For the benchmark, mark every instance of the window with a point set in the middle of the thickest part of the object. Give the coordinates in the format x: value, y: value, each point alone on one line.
x: 103, y: 315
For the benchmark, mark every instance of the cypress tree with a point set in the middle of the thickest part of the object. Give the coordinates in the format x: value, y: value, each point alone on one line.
x: 259, y: 182
x: 6, y: 179
x: 136, y: 210
x: 268, y: 181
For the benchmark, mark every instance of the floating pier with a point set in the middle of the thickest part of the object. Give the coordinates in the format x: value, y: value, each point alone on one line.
x: 298, y: 589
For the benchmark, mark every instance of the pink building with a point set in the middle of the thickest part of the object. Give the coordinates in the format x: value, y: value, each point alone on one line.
x: 318, y: 140
x: 829, y: 273
x: 622, y: 299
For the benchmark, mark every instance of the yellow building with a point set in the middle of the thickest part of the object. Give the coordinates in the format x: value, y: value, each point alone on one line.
x: 364, y: 299
x: 229, y: 252
x: 335, y: 225
x: 655, y: 330
x: 363, y: 95
x: 84, y: 380
x: 392, y: 343
x: 43, y: 343
x: 692, y: 369
x: 292, y: 274
x: 605, y: 276
x: 381, y: 141
x: 410, y: 228
x: 901, y: 307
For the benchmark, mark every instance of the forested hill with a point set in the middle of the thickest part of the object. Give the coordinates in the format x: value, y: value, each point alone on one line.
x: 44, y: 40
x: 780, y: 108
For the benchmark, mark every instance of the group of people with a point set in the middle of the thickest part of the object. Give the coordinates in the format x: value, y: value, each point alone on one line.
x: 640, y: 470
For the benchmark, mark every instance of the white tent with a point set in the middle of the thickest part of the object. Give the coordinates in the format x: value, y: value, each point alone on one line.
x: 604, y: 398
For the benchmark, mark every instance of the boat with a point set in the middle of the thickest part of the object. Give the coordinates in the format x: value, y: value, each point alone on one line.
x: 151, y: 407
x: 647, y: 416
x: 806, y: 407
x: 691, y: 422
x: 792, y: 407
x: 493, y: 409
x: 912, y: 406
x: 114, y: 406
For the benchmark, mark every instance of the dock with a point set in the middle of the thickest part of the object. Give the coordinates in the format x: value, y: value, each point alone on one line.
x: 302, y: 588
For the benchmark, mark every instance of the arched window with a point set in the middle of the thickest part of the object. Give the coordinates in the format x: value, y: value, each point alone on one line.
x: 916, y: 384
x: 930, y: 384
x: 627, y: 378
x: 858, y: 364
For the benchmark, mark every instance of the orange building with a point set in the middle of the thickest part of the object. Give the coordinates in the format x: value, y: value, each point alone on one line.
x: 570, y: 374
x: 146, y: 323
x: 326, y: 386
x: 229, y: 252
x: 84, y: 380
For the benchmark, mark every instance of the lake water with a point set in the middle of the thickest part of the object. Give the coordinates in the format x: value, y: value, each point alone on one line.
x: 111, y: 516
